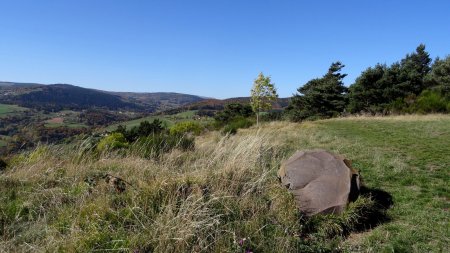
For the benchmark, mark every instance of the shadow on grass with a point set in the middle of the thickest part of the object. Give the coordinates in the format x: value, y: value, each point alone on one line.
x: 370, y: 211
x: 375, y: 214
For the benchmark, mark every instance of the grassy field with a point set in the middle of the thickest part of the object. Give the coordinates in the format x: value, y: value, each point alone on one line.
x: 3, y: 140
x: 224, y: 196
x: 8, y: 109
x: 69, y: 125
x: 168, y: 120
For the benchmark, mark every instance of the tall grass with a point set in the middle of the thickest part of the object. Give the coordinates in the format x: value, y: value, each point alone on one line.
x: 222, y: 196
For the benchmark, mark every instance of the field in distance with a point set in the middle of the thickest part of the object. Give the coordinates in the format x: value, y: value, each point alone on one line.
x: 6, y: 109
x: 168, y: 120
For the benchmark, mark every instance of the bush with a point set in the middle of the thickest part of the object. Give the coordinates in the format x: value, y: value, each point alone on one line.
x: 144, y: 129
x: 431, y: 101
x: 111, y: 142
x: 232, y: 111
x: 186, y: 127
x: 272, y: 116
x: 235, y: 124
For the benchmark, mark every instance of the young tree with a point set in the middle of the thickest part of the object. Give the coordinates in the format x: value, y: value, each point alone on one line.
x: 263, y: 94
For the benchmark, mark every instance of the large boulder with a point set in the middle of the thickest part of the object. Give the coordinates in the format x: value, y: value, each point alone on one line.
x: 321, y: 182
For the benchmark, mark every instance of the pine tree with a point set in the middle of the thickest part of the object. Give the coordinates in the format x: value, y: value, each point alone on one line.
x: 321, y: 97
x: 367, y: 93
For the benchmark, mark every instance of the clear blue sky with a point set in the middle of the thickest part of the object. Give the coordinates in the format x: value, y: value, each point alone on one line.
x: 210, y: 48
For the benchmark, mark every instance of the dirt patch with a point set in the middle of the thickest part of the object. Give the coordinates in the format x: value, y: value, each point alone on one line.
x: 57, y: 120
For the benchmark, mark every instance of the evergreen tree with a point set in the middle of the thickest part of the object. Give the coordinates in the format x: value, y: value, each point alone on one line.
x: 232, y: 111
x: 412, y: 70
x: 321, y: 97
x: 395, y: 87
x: 367, y: 93
x: 439, y: 77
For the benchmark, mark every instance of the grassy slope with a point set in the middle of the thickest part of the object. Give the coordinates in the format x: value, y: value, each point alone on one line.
x: 6, y: 109
x: 69, y: 125
x: 169, y: 120
x: 50, y: 203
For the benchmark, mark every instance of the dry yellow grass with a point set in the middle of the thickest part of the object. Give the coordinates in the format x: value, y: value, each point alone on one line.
x: 206, y: 200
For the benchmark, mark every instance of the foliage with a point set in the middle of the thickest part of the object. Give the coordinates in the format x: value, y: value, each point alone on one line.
x: 112, y: 142
x: 206, y: 113
x: 431, y: 101
x: 97, y: 117
x: 439, y: 76
x: 263, y: 94
x: 367, y: 93
x: 273, y: 115
x: 232, y: 111
x: 393, y: 88
x: 144, y: 129
x: 186, y: 127
x: 235, y: 124
x: 321, y: 97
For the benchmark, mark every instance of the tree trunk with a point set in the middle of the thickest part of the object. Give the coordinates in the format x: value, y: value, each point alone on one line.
x: 257, y: 118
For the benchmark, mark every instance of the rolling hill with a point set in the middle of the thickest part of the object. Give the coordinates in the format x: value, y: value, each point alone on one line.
x: 56, y: 97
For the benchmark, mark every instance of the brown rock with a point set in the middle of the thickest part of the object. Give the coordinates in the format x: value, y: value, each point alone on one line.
x: 321, y: 182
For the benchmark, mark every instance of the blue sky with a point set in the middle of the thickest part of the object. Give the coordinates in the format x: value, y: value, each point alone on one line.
x: 209, y: 48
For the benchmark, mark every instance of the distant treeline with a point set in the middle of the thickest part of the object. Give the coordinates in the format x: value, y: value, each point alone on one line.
x: 415, y: 84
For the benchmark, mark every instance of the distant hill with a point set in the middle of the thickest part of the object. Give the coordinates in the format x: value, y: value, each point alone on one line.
x: 11, y: 84
x: 164, y: 100
x: 213, y: 105
x: 217, y: 104
x: 57, y: 97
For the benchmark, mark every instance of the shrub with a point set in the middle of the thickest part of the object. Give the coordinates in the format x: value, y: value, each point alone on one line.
x: 144, y: 129
x: 235, y: 124
x: 272, y: 116
x: 186, y: 127
x: 111, y: 142
x: 232, y: 111
x: 431, y: 101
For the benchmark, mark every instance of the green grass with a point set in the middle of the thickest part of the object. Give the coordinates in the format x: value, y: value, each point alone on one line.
x: 410, y: 159
x: 132, y: 123
x: 8, y: 109
x: 168, y: 120
x: 69, y: 125
x: 209, y: 199
x: 4, y: 140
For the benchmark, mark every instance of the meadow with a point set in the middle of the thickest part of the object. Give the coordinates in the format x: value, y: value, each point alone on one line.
x: 10, y: 109
x: 224, y: 196
x: 168, y: 120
